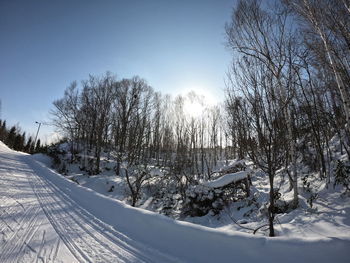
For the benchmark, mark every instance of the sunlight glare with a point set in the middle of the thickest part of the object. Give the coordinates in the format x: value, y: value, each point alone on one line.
x: 193, y: 108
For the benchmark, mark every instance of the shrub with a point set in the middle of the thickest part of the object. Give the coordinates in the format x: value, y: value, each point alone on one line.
x: 342, y: 175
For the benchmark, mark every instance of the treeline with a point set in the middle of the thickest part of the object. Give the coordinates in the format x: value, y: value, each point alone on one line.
x: 289, y: 86
x: 141, y: 127
x: 17, y: 140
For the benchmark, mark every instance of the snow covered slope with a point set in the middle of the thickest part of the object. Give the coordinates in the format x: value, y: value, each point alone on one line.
x: 45, y: 217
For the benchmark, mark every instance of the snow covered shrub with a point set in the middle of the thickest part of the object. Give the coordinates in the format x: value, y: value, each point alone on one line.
x: 136, y: 177
x: 312, y: 196
x: 306, y: 184
x: 90, y: 166
x: 56, y: 156
x: 167, y: 199
x: 342, y: 176
x: 202, y: 200
x: 280, y: 206
x: 63, y: 168
x: 170, y: 204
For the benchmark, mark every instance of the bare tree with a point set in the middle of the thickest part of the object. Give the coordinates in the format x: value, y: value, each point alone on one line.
x: 265, y: 40
x: 326, y: 27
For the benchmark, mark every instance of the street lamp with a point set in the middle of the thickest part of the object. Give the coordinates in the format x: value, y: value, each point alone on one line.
x: 37, y: 132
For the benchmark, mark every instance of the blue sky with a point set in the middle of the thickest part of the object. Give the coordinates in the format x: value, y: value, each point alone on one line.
x: 177, y: 46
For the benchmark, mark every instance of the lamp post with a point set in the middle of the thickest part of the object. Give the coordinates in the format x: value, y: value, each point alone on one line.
x: 37, y: 132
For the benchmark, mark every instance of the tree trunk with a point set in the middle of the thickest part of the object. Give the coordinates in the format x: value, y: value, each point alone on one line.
x: 271, y: 209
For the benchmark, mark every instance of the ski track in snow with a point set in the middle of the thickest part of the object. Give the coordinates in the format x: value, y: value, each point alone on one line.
x: 22, y: 222
x: 23, y: 225
x: 29, y: 202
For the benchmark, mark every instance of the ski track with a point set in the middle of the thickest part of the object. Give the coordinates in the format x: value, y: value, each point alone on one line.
x: 29, y: 200
x: 21, y: 219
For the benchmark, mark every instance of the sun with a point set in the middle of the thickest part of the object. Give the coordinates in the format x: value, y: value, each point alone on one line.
x: 196, y: 101
x: 193, y: 108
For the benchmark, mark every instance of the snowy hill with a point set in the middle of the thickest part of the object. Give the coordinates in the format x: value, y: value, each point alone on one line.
x: 47, y: 217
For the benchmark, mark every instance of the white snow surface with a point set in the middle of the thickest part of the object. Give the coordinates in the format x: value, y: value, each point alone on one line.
x: 226, y: 179
x: 45, y: 217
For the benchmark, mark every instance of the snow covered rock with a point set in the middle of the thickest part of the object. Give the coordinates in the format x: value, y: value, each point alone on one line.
x: 227, y: 179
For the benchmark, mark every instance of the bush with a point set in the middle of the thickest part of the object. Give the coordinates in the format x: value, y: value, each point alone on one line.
x: 342, y: 175
x: 56, y: 155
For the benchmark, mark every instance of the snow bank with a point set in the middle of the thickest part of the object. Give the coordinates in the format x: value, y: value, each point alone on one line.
x: 226, y: 179
x: 193, y: 243
x: 3, y: 145
x: 4, y: 148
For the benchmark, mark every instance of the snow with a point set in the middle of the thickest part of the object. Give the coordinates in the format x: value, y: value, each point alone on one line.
x: 46, y: 217
x: 43, y: 159
x: 232, y: 164
x: 226, y: 179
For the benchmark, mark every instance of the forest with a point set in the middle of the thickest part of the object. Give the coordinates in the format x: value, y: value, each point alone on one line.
x: 16, y: 139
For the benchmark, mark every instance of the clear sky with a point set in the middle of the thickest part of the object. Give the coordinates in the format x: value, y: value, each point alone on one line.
x: 176, y: 45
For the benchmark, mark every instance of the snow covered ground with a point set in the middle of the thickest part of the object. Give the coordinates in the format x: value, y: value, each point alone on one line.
x: 45, y: 217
